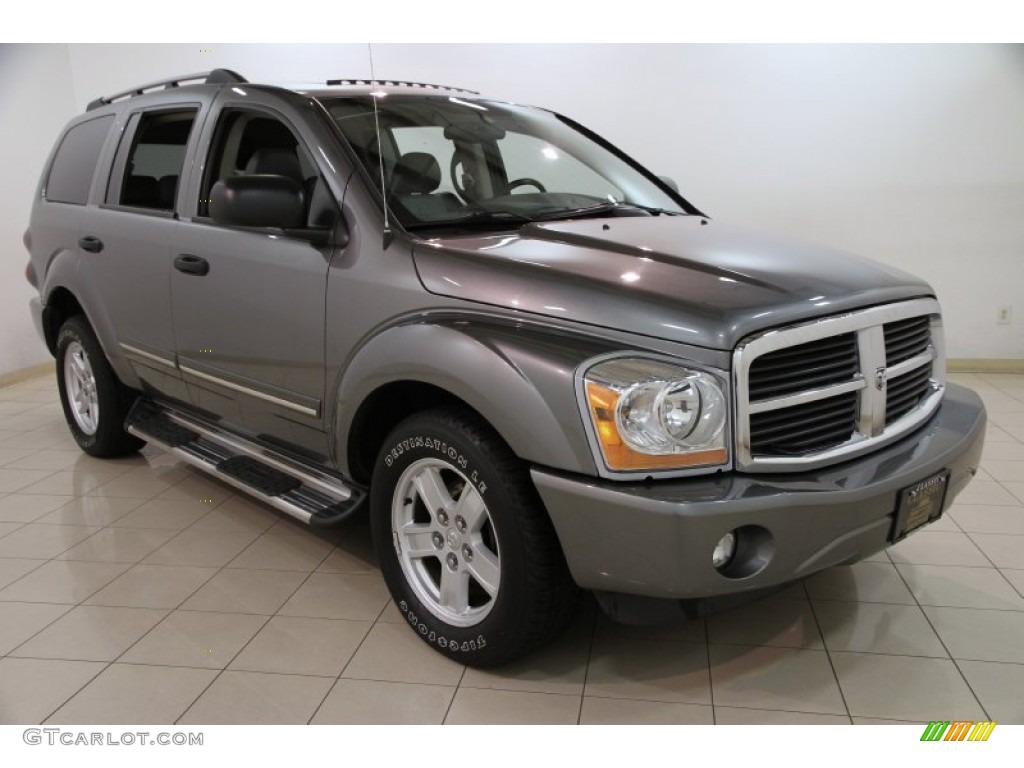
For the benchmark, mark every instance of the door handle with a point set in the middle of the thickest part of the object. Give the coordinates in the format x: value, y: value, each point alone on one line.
x: 191, y: 265
x: 90, y: 244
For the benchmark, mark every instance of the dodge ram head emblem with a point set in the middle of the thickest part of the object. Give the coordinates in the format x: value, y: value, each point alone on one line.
x: 880, y: 375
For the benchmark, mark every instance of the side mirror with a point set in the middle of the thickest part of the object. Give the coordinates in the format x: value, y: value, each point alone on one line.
x: 260, y: 200
x: 669, y: 182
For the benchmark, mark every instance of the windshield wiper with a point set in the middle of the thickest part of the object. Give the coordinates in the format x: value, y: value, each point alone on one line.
x: 477, y: 218
x: 600, y: 208
x: 652, y: 210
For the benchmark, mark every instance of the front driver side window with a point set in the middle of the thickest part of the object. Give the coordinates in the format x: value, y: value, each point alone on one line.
x: 247, y: 143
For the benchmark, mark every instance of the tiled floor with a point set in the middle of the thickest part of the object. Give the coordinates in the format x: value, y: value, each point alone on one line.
x: 136, y: 591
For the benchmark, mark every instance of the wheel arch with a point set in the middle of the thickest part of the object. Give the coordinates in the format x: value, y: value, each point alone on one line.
x: 60, y: 305
x: 520, y: 385
x: 63, y: 300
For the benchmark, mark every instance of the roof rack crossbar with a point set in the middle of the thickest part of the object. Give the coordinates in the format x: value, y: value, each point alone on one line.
x: 401, y: 83
x: 213, y: 77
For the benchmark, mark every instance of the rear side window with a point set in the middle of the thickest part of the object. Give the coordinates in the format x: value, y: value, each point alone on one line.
x: 75, y: 163
x: 153, y: 170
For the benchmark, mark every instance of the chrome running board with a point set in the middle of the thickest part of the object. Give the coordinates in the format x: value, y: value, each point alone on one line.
x: 304, y: 492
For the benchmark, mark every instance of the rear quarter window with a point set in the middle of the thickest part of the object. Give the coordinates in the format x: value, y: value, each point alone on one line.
x: 75, y: 162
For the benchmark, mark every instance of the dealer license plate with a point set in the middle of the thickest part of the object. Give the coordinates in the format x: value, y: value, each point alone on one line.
x: 920, y: 503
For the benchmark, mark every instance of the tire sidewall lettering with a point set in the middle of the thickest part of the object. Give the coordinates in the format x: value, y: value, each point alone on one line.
x: 448, y: 452
x: 449, y: 644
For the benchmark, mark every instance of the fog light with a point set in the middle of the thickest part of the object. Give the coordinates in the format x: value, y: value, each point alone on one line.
x: 721, y: 556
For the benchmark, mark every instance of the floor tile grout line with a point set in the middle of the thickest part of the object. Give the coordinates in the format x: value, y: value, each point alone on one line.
x: 13, y: 530
x: 711, y: 677
x: 73, y: 607
x: 831, y: 661
x: 826, y: 650
x: 1019, y: 590
x: 72, y: 695
x: 358, y: 646
x: 109, y: 664
x: 42, y: 629
x: 220, y: 672
x: 42, y: 562
x: 157, y: 624
x: 345, y: 666
x: 33, y: 482
x: 929, y: 605
x: 946, y: 647
x: 977, y: 546
x: 949, y: 565
x: 455, y: 693
x: 214, y: 575
x: 590, y: 654
x: 100, y: 529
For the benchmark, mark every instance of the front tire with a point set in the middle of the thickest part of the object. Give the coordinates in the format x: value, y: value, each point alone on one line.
x: 95, y: 403
x: 465, y: 545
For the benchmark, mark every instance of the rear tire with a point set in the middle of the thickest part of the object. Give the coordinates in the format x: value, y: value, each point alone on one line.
x: 465, y: 545
x: 95, y: 403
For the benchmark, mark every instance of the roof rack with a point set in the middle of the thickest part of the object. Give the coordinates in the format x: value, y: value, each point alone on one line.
x: 213, y: 77
x: 401, y: 83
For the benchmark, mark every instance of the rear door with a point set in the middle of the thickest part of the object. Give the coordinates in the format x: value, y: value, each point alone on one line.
x: 127, y: 241
x: 250, y: 329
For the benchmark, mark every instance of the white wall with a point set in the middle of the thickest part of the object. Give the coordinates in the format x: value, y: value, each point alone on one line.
x: 908, y: 154
x: 912, y: 155
x: 36, y: 99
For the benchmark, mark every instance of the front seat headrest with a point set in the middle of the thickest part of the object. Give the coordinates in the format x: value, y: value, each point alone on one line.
x: 281, y: 162
x: 416, y: 173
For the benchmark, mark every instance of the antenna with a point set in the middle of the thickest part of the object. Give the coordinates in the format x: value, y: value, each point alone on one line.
x: 380, y: 152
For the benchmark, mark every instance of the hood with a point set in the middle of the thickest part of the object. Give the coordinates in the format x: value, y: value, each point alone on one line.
x: 669, y: 277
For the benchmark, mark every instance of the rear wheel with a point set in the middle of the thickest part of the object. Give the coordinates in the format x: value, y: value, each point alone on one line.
x: 95, y: 403
x: 465, y: 545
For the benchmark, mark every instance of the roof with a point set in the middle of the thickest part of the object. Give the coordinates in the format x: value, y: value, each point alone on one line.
x: 333, y: 87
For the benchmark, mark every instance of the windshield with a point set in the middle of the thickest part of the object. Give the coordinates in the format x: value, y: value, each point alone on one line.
x: 459, y: 164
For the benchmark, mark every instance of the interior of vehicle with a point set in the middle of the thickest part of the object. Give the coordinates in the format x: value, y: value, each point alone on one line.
x: 154, y: 166
x: 444, y: 161
x: 249, y: 142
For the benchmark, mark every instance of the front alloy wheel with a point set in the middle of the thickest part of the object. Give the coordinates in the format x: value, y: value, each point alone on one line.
x: 465, y: 545
x: 446, y: 543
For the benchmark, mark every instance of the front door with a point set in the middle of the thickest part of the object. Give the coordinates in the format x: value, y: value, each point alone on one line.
x: 249, y: 303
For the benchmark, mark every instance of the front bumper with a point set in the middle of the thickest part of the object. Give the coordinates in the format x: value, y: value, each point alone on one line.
x: 655, y: 539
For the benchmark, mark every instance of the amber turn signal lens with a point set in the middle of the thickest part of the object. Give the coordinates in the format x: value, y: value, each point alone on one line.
x: 619, y: 456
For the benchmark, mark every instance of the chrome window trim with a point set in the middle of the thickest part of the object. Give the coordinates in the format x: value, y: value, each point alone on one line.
x: 590, y: 431
x: 871, y: 430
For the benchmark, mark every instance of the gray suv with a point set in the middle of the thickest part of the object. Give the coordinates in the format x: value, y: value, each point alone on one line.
x: 537, y: 365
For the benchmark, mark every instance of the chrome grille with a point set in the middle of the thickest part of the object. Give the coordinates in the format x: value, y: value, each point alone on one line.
x: 819, y: 392
x: 805, y: 428
x: 794, y: 369
x: 904, y: 393
x: 906, y: 339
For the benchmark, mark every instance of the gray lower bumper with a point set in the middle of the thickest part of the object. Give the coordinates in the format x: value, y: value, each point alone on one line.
x: 655, y: 539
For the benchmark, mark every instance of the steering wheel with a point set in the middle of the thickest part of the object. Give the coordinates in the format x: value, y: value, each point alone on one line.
x: 526, y: 182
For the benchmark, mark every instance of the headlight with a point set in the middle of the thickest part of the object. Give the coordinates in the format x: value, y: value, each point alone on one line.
x: 653, y: 415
